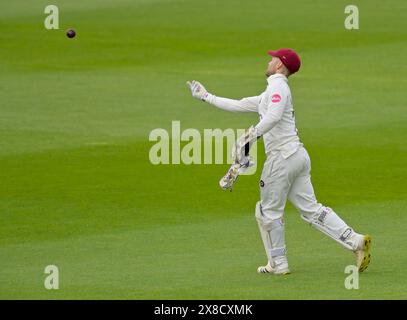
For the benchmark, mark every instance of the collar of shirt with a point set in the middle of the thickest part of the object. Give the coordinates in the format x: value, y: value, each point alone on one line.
x: 277, y: 76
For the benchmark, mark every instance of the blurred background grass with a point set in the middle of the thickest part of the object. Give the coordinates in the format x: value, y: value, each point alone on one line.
x: 78, y: 190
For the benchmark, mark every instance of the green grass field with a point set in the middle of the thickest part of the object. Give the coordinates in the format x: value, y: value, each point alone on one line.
x: 77, y: 188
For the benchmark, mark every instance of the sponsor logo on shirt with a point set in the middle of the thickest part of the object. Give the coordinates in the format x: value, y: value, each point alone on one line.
x: 275, y: 98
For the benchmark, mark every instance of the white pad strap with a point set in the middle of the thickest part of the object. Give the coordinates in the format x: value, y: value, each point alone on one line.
x: 273, y: 235
x: 277, y: 252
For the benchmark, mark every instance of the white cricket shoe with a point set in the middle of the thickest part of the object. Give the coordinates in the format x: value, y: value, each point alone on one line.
x: 279, y: 269
x: 363, y: 255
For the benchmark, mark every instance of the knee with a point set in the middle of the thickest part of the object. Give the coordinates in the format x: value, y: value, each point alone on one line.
x: 305, y: 202
x: 267, y: 218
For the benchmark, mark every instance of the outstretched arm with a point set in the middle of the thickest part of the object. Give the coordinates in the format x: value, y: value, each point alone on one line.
x: 249, y: 104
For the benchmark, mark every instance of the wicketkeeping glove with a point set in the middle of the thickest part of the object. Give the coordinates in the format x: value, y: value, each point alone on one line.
x: 241, y: 159
x: 229, y: 179
x: 198, y: 90
x: 240, y: 151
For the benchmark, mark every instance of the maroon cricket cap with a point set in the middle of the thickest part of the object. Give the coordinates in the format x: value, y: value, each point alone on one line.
x: 288, y: 57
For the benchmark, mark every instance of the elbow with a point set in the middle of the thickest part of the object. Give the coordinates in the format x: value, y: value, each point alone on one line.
x: 266, y: 125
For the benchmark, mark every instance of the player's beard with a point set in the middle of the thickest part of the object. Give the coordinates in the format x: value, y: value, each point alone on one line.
x: 269, y: 73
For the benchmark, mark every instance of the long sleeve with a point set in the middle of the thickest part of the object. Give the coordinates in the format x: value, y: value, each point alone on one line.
x: 275, y: 109
x: 249, y: 104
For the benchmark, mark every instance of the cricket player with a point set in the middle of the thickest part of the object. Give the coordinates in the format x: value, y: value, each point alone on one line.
x: 287, y: 170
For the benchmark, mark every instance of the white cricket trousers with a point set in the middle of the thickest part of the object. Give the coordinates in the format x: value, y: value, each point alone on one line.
x: 290, y: 178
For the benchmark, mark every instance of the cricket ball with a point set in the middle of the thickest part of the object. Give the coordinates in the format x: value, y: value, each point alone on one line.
x: 70, y: 33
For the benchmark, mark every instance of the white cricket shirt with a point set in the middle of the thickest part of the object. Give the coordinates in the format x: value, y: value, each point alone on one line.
x: 277, y: 119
